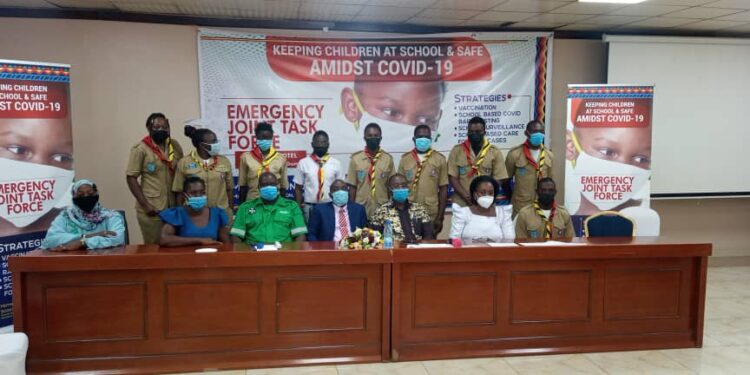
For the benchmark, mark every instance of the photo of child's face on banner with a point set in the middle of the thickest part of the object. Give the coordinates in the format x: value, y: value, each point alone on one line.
x: 608, y: 154
x: 36, y: 154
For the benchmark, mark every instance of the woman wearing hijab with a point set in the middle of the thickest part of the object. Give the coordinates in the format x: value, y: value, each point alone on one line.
x: 86, y: 224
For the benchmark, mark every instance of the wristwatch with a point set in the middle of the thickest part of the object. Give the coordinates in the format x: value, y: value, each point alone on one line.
x: 83, y: 240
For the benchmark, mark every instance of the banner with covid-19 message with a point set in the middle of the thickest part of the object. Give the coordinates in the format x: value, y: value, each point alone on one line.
x: 302, y: 85
x: 608, y: 150
x: 36, y: 159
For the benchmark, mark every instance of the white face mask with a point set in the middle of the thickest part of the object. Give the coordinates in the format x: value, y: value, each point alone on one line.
x: 634, y: 179
x: 486, y: 201
x: 38, y: 188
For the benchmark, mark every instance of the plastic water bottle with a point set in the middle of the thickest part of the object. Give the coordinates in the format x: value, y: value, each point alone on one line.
x: 387, y: 235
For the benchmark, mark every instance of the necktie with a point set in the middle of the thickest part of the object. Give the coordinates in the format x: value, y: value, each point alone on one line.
x: 342, y: 224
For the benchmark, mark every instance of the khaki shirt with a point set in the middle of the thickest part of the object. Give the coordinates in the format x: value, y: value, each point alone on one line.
x: 524, y: 174
x: 156, y: 178
x: 530, y: 225
x: 218, y: 179
x: 259, y: 222
x: 434, y: 174
x: 359, y: 168
x: 249, y: 174
x: 492, y: 165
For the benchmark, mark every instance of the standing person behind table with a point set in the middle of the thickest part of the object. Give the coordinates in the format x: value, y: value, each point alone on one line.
x: 427, y: 173
x: 369, y: 171
x: 270, y: 217
x: 337, y: 219
x: 474, y: 157
x: 214, y: 169
x: 482, y: 220
x: 153, y: 159
x: 86, y: 224
x: 410, y: 221
x: 194, y: 223
x: 263, y: 158
x: 544, y: 219
x: 527, y: 163
x: 315, y: 173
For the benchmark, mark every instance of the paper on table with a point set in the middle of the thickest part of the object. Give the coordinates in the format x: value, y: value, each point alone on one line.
x: 553, y: 243
x: 428, y: 245
x: 502, y: 244
x: 267, y: 247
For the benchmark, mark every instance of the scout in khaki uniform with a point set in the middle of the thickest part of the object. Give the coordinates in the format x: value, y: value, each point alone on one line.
x: 205, y: 162
x: 544, y: 219
x: 153, y: 159
x: 426, y: 170
x: 369, y: 170
x: 269, y: 218
x: 263, y: 158
x: 528, y: 163
x: 474, y: 157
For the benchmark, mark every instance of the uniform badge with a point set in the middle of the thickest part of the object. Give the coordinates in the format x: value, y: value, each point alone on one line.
x: 360, y: 174
x: 409, y: 175
x: 521, y: 171
x: 487, y: 170
x: 434, y: 172
x: 151, y: 167
x: 560, y: 232
x: 251, y: 211
x: 461, y: 170
x: 382, y: 175
x: 533, y: 234
x: 192, y: 165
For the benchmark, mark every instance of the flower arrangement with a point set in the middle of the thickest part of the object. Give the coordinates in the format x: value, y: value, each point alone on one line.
x: 362, y: 239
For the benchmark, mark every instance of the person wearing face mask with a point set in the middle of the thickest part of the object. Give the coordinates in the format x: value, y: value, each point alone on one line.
x: 270, y: 217
x: 427, y: 172
x: 544, y: 218
x: 86, y: 224
x: 482, y: 221
x: 337, y: 219
x: 410, y: 221
x: 474, y: 157
x: 196, y: 222
x: 368, y: 171
x: 527, y: 163
x: 315, y: 173
x: 263, y: 158
x: 154, y: 160
x: 214, y: 169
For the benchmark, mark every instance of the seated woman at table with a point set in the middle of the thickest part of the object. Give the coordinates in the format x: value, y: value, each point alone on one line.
x: 410, y: 221
x: 194, y: 223
x: 86, y: 224
x: 482, y: 220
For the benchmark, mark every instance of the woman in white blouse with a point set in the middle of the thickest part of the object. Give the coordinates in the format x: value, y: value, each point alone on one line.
x: 483, y: 221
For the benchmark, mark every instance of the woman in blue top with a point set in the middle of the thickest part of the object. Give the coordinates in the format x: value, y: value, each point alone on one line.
x: 194, y: 223
x: 86, y: 224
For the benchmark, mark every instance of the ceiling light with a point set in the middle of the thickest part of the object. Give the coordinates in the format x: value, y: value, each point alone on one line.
x: 612, y: 1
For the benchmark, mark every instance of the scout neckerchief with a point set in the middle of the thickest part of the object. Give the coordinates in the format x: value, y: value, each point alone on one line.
x: 547, y: 222
x: 480, y: 158
x: 321, y: 162
x: 420, y: 165
x: 170, y: 151
x: 371, y: 173
x: 199, y: 161
x: 264, y: 162
x: 542, y: 156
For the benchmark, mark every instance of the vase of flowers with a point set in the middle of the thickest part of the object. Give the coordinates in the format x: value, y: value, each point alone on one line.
x: 362, y: 239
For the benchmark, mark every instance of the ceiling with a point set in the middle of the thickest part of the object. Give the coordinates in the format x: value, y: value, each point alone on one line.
x: 693, y: 17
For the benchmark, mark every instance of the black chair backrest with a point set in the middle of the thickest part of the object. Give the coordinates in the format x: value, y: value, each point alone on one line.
x: 609, y: 224
x: 125, y: 221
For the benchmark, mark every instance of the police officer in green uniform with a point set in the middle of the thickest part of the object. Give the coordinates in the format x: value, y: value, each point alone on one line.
x: 270, y: 217
x: 153, y: 159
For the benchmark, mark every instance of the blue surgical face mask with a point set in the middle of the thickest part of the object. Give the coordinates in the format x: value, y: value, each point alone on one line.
x: 400, y: 194
x: 536, y: 139
x: 269, y: 193
x: 264, y: 144
x: 423, y: 144
x: 213, y: 148
x: 340, y: 197
x: 197, y: 203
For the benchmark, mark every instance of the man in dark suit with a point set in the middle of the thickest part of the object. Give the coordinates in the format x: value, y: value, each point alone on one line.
x: 337, y: 219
